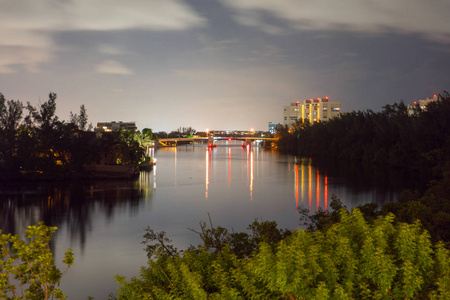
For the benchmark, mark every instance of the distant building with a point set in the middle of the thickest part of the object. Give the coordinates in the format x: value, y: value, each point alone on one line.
x: 422, y: 104
x: 115, y: 126
x: 273, y: 127
x: 313, y: 110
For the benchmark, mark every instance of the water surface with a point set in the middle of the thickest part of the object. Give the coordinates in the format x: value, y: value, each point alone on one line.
x: 104, y: 221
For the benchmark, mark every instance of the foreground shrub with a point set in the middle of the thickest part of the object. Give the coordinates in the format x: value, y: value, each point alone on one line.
x: 352, y: 259
x: 27, y: 267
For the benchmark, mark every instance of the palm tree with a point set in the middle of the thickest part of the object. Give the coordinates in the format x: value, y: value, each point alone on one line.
x: 145, y: 139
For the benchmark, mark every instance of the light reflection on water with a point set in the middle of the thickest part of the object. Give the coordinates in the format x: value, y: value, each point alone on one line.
x: 103, y: 221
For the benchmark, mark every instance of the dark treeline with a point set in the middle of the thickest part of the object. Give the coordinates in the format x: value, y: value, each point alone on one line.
x: 418, y: 142
x: 392, y: 136
x: 35, y: 142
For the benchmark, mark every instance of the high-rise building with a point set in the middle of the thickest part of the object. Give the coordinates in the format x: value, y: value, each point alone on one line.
x: 422, y: 104
x: 313, y: 110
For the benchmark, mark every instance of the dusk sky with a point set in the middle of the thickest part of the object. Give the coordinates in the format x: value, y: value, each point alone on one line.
x: 220, y: 64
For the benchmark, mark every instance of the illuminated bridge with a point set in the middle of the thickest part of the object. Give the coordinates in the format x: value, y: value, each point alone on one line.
x: 174, y: 142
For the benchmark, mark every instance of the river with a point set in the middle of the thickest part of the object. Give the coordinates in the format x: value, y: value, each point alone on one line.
x: 104, y: 221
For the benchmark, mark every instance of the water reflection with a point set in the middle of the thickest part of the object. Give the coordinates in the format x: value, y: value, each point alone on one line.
x: 296, y: 185
x: 310, y: 186
x: 74, y: 204
x: 303, y: 166
x: 251, y: 173
x: 229, y: 166
x: 247, y: 163
x: 207, y: 168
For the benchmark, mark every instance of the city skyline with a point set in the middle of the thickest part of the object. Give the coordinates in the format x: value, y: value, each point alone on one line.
x: 224, y: 64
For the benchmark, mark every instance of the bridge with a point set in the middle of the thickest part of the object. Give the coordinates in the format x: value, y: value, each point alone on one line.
x: 173, y: 142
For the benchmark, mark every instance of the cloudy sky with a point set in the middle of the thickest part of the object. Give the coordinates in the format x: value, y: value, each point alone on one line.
x: 220, y: 64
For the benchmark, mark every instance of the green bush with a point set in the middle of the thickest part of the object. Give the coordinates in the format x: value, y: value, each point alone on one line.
x: 27, y: 267
x: 352, y: 259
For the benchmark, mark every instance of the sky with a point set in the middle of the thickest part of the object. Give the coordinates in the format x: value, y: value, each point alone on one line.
x: 220, y: 64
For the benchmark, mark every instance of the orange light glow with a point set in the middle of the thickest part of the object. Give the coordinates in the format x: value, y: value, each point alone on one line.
x: 318, y: 191
x: 303, y: 177
x: 310, y: 187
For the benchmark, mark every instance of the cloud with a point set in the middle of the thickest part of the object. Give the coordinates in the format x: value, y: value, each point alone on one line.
x: 55, y: 15
x: 113, y: 67
x: 111, y: 50
x: 13, y: 59
x: 376, y: 16
x: 32, y: 24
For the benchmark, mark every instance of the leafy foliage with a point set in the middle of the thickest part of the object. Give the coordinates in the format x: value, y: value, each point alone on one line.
x: 41, y: 145
x: 27, y: 267
x: 352, y: 259
x: 215, y: 239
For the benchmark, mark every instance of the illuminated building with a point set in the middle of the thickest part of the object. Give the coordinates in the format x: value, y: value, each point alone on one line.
x: 313, y: 110
x: 273, y: 127
x: 422, y: 104
x: 115, y: 126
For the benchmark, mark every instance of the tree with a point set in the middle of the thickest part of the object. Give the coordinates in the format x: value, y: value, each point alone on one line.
x: 45, y: 116
x: 352, y: 259
x: 80, y: 120
x: 10, y: 114
x: 145, y: 139
x: 10, y: 118
x: 27, y: 267
x: 187, y: 131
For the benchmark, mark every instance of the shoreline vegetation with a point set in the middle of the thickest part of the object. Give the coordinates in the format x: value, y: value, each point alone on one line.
x: 397, y: 251
x: 36, y: 145
x: 418, y: 142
